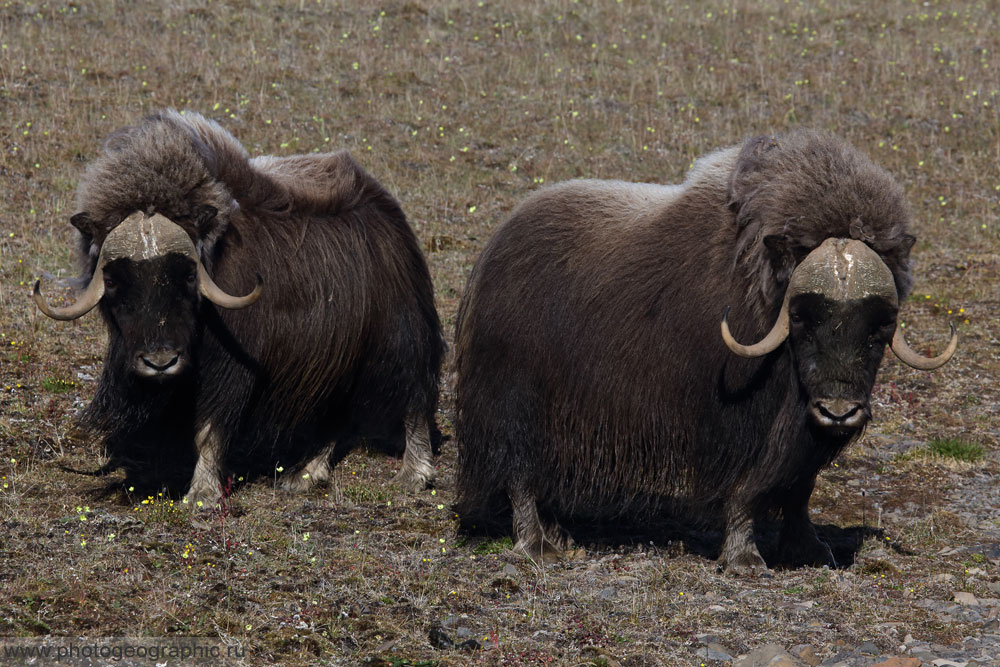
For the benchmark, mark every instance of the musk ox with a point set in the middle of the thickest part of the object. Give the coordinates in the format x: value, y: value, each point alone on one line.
x: 591, y: 379
x: 336, y: 339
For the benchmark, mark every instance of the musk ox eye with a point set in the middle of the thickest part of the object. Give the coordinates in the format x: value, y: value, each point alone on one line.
x: 192, y: 278
x: 109, y: 283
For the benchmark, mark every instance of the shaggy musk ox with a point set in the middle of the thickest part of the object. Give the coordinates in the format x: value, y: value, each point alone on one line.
x: 336, y: 339
x: 592, y: 380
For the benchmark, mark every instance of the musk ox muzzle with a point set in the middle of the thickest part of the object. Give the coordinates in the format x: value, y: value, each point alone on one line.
x: 145, y: 237
x: 840, y: 269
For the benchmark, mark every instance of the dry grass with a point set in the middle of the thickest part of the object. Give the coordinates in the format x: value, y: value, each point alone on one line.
x: 461, y: 109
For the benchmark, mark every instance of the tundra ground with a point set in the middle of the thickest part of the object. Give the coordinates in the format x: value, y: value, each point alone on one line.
x: 461, y: 109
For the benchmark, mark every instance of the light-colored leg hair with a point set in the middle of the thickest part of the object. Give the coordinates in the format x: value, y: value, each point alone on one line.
x: 540, y: 539
x: 206, y: 486
x: 314, y: 473
x: 739, y: 550
x: 417, y: 472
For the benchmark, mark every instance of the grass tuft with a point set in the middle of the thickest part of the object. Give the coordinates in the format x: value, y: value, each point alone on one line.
x: 958, y: 450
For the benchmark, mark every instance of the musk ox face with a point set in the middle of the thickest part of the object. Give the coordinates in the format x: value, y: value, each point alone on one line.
x: 837, y: 347
x: 838, y: 314
x: 153, y: 306
x: 150, y: 281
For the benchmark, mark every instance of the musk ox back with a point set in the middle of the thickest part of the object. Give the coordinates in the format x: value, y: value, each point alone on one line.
x: 592, y: 379
x: 260, y: 312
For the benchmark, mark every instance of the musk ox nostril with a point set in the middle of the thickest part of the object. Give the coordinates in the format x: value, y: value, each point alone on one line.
x: 840, y: 412
x: 160, y: 361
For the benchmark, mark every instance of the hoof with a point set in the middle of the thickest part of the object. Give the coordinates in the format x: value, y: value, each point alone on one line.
x: 202, y: 498
x: 414, y: 480
x: 298, y: 482
x: 561, y: 550
x: 745, y: 564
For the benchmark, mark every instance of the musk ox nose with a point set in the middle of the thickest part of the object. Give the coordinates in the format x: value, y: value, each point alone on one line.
x: 839, y: 413
x: 158, y: 363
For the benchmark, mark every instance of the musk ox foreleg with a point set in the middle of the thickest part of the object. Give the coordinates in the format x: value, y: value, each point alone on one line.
x: 541, y: 539
x: 206, y: 488
x: 799, y: 544
x: 315, y: 472
x: 417, y: 472
x: 739, y: 550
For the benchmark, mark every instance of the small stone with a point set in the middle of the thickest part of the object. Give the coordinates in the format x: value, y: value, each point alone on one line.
x: 510, y: 570
x: 898, y: 661
x: 867, y: 648
x: 805, y: 653
x: 966, y: 598
x: 386, y: 646
x: 709, y: 653
x: 609, y: 593
x: 769, y: 655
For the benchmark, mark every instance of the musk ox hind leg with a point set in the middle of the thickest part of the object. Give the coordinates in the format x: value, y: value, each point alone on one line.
x: 206, y: 487
x: 541, y: 538
x: 739, y: 550
x: 417, y: 472
x: 314, y: 473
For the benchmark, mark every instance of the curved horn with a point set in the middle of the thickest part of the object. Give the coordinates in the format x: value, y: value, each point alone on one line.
x: 214, y: 293
x: 909, y: 357
x: 775, y: 337
x: 84, y: 304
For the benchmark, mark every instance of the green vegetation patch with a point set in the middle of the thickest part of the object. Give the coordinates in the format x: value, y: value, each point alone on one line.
x: 959, y: 450
x: 499, y: 546
x: 57, y: 385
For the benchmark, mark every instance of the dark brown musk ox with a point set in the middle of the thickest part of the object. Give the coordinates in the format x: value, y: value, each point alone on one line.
x: 592, y: 384
x: 337, y: 339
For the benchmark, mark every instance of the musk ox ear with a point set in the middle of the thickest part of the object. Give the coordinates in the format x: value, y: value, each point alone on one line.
x: 897, y: 258
x: 902, y: 250
x: 209, y: 227
x: 783, y: 256
x: 204, y: 219
x: 83, y: 224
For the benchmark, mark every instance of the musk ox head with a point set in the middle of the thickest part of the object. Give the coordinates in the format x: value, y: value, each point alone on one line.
x: 838, y: 313
x: 151, y: 281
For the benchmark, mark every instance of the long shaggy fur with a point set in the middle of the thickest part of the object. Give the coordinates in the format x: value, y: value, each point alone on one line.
x: 343, y: 343
x: 590, y: 369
